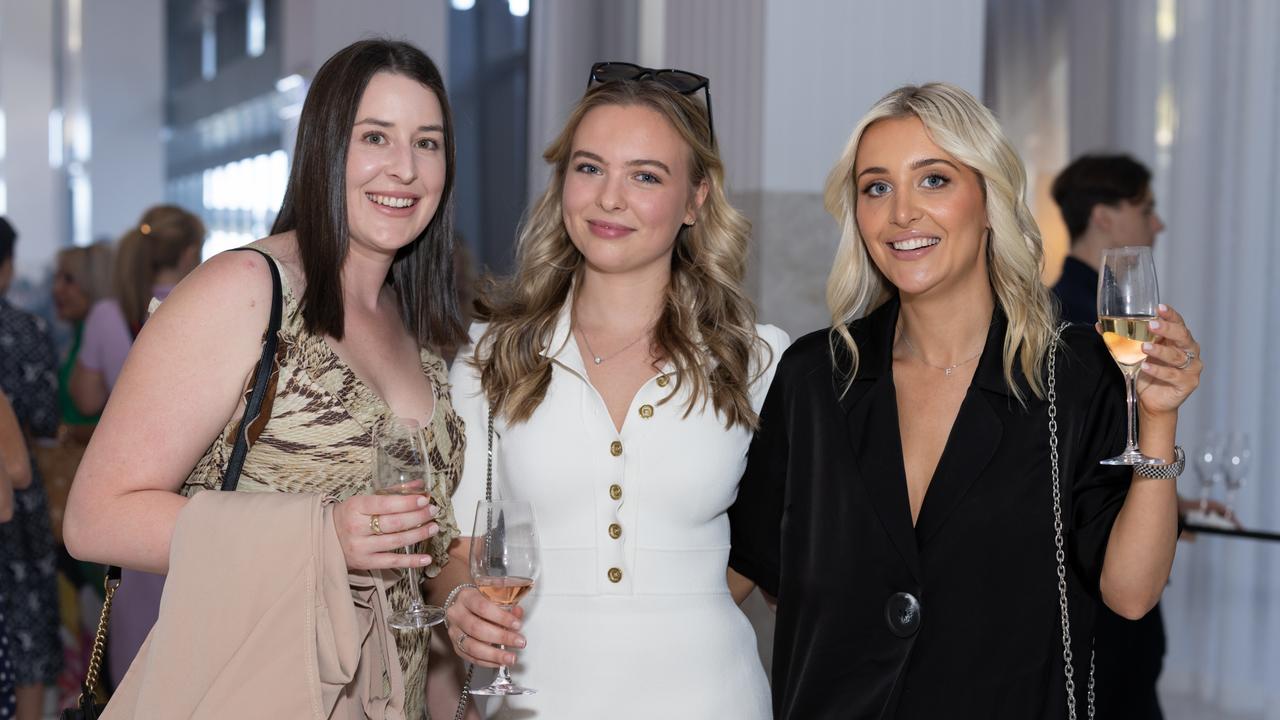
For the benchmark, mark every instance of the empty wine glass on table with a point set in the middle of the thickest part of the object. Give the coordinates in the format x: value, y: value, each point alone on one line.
x: 400, y: 467
x: 1209, y: 463
x: 504, y: 565
x: 1236, y: 464
x: 1127, y: 298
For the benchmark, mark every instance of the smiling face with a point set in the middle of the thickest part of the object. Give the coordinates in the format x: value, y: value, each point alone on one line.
x: 70, y: 301
x: 395, y: 163
x: 628, y: 189
x: 921, y: 212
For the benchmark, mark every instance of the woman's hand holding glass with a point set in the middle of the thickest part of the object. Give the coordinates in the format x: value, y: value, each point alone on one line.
x: 403, y: 520
x: 1171, y: 371
x: 480, y: 629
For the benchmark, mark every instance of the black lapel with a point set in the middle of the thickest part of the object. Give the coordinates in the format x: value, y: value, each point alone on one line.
x: 974, y: 437
x: 871, y: 415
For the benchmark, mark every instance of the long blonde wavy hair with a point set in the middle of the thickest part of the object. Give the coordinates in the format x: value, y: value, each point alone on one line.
x: 707, y: 324
x: 963, y: 127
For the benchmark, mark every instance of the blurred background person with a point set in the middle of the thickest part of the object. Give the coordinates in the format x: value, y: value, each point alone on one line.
x: 82, y: 277
x: 15, y: 471
x: 28, y: 597
x: 150, y: 260
x: 1106, y: 202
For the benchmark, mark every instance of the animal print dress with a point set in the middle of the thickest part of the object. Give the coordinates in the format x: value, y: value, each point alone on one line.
x: 319, y: 440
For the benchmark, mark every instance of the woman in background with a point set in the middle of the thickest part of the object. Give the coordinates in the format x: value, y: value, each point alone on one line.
x: 150, y: 260
x: 81, y: 278
x: 28, y: 590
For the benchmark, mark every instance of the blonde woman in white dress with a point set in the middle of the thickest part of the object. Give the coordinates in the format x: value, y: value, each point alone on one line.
x: 625, y: 372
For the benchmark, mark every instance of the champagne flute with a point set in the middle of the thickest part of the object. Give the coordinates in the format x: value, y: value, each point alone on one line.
x: 1236, y: 460
x: 504, y: 566
x: 1127, y: 297
x: 1209, y: 462
x: 400, y: 467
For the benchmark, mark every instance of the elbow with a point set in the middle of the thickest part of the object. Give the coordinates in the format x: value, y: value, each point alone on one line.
x: 1133, y: 604
x: 19, y: 473
x: 77, y: 534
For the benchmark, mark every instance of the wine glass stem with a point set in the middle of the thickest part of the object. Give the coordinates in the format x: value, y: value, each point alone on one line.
x: 1131, y: 405
x: 504, y: 675
x: 415, y: 589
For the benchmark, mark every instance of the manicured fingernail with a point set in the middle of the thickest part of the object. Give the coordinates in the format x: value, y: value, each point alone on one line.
x: 426, y: 560
x: 433, y: 530
x: 1155, y: 324
x: 435, y: 510
x: 520, y: 642
x: 1164, y: 308
x: 515, y: 625
x: 1146, y: 347
x: 509, y: 659
x: 1145, y: 366
x: 422, y: 501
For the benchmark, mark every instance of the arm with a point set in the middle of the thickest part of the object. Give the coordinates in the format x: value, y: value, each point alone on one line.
x: 740, y: 586
x: 1141, y: 546
x: 183, y: 382
x: 88, y: 390
x: 13, y: 449
x: 15, y: 466
x: 484, y: 623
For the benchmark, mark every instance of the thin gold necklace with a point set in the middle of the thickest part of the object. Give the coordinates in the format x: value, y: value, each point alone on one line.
x: 949, y: 370
x: 601, y: 358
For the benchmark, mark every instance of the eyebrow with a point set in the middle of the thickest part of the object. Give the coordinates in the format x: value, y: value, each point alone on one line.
x: 630, y: 163
x: 386, y: 124
x: 914, y: 166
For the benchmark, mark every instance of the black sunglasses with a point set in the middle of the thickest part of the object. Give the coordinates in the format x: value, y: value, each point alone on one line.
x: 682, y: 81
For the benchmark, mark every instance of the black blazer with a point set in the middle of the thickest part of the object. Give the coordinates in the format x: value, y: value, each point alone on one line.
x: 957, y: 617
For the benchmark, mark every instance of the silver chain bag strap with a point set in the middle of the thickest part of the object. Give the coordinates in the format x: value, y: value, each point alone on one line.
x: 1061, y: 553
x: 488, y: 496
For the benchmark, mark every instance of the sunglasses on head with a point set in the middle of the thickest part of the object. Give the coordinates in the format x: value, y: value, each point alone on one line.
x: 682, y: 81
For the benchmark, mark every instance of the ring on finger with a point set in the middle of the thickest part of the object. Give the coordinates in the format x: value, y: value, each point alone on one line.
x: 462, y: 639
x: 375, y: 524
x: 1191, y: 357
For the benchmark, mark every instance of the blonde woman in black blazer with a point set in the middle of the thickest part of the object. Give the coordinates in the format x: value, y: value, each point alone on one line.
x: 898, y: 500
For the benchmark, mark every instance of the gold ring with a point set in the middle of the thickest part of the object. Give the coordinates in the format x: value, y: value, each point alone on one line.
x: 374, y: 526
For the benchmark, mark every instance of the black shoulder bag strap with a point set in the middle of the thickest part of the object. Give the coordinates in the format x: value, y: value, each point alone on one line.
x: 87, y: 708
x: 253, y: 406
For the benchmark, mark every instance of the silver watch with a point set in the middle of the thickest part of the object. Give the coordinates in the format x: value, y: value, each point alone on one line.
x: 1168, y: 471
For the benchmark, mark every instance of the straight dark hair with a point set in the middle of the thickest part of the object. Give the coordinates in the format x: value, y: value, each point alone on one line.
x: 315, y: 205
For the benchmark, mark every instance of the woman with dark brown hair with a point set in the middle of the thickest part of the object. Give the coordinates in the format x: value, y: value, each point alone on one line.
x: 363, y: 246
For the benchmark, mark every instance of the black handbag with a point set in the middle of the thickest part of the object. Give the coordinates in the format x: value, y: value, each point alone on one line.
x: 87, y: 706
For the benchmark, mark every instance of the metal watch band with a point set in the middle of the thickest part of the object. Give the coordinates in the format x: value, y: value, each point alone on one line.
x: 1168, y: 471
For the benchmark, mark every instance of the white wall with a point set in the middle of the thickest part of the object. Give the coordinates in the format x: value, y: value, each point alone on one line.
x: 34, y: 196
x: 316, y: 29
x: 123, y: 69
x: 827, y: 61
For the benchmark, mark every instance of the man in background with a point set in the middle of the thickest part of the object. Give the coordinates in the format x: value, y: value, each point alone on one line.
x: 1106, y: 202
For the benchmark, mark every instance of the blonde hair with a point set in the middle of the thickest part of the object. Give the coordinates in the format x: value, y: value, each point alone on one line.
x: 707, y: 325
x: 156, y: 243
x: 963, y: 127
x: 89, y: 268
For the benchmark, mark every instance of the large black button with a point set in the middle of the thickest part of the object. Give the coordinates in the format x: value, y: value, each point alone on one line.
x: 902, y: 612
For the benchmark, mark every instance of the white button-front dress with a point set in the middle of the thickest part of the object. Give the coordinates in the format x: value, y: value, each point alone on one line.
x: 631, y: 616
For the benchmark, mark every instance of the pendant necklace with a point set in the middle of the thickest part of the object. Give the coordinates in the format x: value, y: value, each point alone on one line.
x: 948, y: 369
x: 601, y: 358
